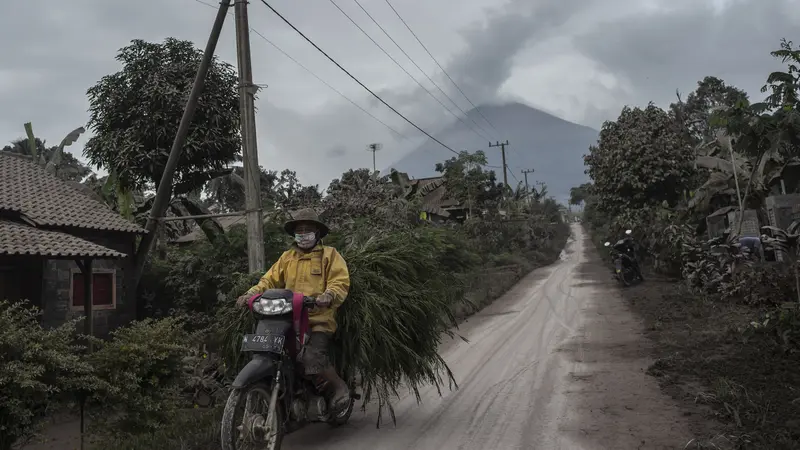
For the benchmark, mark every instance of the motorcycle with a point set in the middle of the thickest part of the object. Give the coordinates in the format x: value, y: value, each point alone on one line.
x: 272, y: 391
x: 626, y: 268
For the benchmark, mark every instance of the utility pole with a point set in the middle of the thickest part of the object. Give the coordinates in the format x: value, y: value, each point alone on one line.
x: 526, y: 172
x: 502, y: 146
x: 252, y: 175
x: 374, y: 148
x: 164, y: 191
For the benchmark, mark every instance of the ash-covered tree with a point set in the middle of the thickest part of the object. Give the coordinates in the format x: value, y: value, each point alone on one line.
x: 579, y: 194
x: 640, y: 159
x: 466, y: 181
x: 135, y: 112
x: 712, y: 94
x: 361, y: 196
x: 278, y: 191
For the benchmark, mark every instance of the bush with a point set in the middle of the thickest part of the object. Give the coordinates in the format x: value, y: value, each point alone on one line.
x: 144, y: 366
x: 40, y: 369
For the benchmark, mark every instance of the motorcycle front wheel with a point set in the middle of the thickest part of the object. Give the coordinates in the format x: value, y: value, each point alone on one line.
x: 244, y: 420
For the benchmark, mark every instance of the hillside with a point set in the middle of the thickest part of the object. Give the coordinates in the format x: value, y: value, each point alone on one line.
x: 553, y: 147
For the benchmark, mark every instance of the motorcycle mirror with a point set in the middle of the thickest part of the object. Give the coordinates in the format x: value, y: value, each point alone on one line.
x: 607, y: 244
x: 628, y: 231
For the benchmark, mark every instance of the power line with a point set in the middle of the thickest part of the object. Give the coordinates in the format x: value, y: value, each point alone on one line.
x: 356, y: 79
x: 397, y: 133
x: 417, y: 66
x: 403, y: 68
x: 440, y: 66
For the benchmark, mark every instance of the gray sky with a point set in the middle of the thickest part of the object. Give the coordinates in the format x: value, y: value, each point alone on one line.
x: 579, y: 59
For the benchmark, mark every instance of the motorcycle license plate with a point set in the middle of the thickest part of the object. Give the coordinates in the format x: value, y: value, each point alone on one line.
x: 263, y: 343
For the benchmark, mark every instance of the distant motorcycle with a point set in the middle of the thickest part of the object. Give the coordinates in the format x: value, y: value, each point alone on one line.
x: 626, y: 267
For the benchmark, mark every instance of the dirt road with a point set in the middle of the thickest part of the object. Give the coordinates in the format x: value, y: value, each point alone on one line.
x: 557, y: 363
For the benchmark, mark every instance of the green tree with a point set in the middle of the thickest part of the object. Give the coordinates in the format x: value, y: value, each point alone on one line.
x: 135, y: 112
x: 640, y: 159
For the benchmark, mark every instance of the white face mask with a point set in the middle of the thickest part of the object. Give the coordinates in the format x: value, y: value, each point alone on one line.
x: 305, y: 240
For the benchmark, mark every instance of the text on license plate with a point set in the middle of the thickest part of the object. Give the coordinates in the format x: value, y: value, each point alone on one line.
x: 263, y: 343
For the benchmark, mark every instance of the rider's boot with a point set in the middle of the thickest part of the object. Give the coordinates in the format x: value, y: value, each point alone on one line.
x: 340, y: 393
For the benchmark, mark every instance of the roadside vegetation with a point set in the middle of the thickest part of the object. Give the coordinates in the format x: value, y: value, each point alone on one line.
x: 726, y: 323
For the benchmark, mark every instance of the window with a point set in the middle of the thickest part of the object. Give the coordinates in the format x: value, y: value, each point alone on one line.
x: 104, y: 289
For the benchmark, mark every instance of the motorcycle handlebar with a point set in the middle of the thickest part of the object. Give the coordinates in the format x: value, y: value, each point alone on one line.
x: 309, y: 302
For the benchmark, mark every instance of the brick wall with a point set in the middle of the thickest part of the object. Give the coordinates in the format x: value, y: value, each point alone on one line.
x: 56, y: 285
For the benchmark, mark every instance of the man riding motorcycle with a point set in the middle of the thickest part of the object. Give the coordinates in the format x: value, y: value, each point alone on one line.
x: 319, y: 271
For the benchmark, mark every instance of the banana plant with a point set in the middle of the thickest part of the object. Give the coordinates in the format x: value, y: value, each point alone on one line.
x: 51, y: 165
x: 786, y: 242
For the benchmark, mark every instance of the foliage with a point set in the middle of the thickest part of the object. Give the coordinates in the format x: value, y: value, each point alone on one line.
x: 640, y: 159
x: 281, y: 191
x: 40, y: 371
x: 712, y: 94
x: 362, y: 197
x: 193, y: 279
x: 134, y: 114
x: 54, y: 159
x: 579, y: 194
x: 144, y: 366
x: 467, y: 182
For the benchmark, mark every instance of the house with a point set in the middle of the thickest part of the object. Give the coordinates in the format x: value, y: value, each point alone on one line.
x: 51, y: 235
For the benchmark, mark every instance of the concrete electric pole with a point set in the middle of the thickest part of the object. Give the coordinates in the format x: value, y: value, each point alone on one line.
x: 502, y: 146
x: 526, y: 172
x: 374, y: 148
x: 252, y: 175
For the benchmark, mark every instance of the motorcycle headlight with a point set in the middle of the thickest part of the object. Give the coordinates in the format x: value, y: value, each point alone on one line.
x: 272, y: 307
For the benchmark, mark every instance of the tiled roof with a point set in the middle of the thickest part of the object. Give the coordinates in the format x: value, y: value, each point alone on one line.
x: 20, y: 239
x: 50, y: 201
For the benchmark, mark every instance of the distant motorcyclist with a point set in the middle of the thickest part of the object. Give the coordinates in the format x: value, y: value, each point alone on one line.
x: 319, y: 271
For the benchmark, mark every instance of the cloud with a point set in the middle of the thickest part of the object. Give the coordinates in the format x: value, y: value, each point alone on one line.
x: 582, y: 60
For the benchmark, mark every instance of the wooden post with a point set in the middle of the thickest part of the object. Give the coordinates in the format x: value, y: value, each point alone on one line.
x: 88, y: 326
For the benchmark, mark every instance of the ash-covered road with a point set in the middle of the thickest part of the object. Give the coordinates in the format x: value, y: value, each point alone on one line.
x: 556, y: 363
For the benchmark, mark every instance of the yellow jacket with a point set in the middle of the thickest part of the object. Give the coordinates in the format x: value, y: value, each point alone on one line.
x: 313, y: 273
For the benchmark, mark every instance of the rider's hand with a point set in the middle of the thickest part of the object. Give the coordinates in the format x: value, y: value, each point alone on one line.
x: 242, y: 300
x: 324, y: 300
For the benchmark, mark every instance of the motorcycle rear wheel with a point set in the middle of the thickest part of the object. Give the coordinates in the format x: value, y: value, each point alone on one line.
x: 235, y: 424
x: 343, y: 416
x: 628, y: 276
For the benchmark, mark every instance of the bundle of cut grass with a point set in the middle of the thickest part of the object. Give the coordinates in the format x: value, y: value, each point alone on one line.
x: 404, y: 285
x: 403, y: 289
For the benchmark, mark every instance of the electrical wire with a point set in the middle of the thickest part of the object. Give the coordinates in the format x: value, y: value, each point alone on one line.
x: 440, y: 66
x: 378, y: 97
x: 397, y: 133
x: 419, y: 68
x: 333, y: 2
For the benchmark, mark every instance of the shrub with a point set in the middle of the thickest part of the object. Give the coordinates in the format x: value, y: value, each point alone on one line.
x: 40, y: 369
x: 144, y: 366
